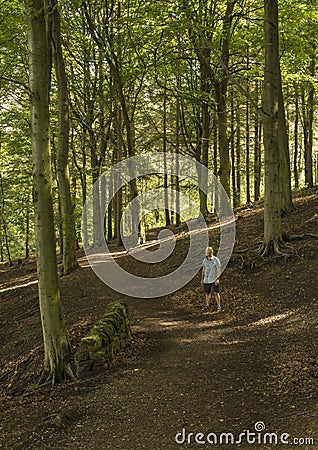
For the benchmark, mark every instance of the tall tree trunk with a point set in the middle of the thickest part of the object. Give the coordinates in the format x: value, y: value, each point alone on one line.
x: 1, y: 246
x: 221, y: 86
x: 233, y: 162
x: 215, y: 200
x: 4, y: 223
x: 56, y: 345
x: 283, y: 141
x: 309, y: 179
x: 137, y: 224
x: 69, y: 261
x: 82, y: 175
x: 247, y: 136
x: 257, y: 151
x: 296, y: 124
x: 119, y: 133
x: 205, y: 136
x: 27, y: 228
x: 238, y: 156
x: 178, y: 134
x: 165, y: 180
x: 225, y: 169
x: 272, y: 201
x: 119, y: 195
x: 247, y: 155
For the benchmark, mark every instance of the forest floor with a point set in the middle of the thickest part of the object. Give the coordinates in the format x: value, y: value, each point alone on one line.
x: 185, y: 371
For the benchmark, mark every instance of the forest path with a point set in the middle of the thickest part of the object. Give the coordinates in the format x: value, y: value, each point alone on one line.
x: 185, y: 369
x: 201, y: 372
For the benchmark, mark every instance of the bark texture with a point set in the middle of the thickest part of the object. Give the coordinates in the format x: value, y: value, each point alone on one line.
x: 272, y: 199
x: 56, y: 345
x: 67, y: 210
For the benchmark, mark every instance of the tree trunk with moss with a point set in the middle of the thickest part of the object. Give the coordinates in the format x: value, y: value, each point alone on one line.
x: 205, y: 90
x: 285, y: 173
x: 272, y: 199
x: 221, y: 87
x: 67, y: 210
x: 56, y: 345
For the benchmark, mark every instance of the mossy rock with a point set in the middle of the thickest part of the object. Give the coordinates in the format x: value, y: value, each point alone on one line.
x: 106, y: 338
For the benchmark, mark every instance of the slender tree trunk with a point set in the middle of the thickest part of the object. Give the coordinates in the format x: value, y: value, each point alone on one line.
x: 1, y: 211
x: 247, y: 136
x: 119, y: 133
x: 27, y: 228
x: 215, y: 200
x: 257, y: 151
x: 233, y: 162
x: 283, y: 141
x: 82, y: 174
x: 166, y: 197
x: 221, y: 86
x: 137, y: 225
x: 4, y: 223
x: 56, y: 345
x: 296, y: 124
x: 1, y: 246
x: 110, y: 211
x: 225, y: 168
x: 309, y: 154
x: 165, y: 179
x: 90, y: 86
x: 58, y: 198
x: 69, y: 260
x: 247, y: 154
x: 307, y: 112
x: 119, y: 195
x: 205, y: 135
x: 272, y: 201
x: 238, y: 156
x: 178, y: 133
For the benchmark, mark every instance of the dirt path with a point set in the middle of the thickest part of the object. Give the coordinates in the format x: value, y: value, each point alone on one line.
x: 194, y: 371
x: 185, y: 369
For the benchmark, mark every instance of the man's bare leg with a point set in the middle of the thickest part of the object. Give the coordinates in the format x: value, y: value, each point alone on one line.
x: 208, y: 299
x: 218, y: 300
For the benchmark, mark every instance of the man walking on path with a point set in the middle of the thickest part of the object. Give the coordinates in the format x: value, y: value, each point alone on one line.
x: 211, y: 271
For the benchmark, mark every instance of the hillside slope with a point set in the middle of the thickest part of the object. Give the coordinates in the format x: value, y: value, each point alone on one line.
x: 185, y: 371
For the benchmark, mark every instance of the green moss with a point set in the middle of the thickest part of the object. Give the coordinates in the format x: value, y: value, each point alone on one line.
x: 106, y: 338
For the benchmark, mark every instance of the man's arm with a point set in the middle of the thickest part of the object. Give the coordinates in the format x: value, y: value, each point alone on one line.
x: 202, y: 277
x: 218, y: 274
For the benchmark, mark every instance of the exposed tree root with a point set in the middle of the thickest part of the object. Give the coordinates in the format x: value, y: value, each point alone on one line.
x: 295, y: 237
x: 271, y: 248
x: 52, y: 377
x: 252, y: 258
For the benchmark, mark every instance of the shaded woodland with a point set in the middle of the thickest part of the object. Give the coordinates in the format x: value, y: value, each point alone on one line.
x: 86, y: 84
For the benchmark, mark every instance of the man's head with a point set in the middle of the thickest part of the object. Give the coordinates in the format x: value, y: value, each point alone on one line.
x: 209, y: 252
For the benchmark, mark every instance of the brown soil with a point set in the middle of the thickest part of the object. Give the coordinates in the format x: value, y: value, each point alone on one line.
x: 206, y: 372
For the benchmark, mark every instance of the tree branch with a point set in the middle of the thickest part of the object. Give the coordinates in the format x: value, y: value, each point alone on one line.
x: 20, y: 83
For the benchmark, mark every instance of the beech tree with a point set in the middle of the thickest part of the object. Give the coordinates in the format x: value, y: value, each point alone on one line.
x: 272, y: 200
x: 56, y: 345
x: 67, y: 213
x: 138, y: 77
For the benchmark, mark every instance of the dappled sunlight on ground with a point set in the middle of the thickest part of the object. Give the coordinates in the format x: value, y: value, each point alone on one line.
x: 255, y: 360
x: 20, y: 286
x: 271, y: 319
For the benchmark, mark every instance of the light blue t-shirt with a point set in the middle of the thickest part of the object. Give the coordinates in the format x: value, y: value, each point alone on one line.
x: 210, y: 269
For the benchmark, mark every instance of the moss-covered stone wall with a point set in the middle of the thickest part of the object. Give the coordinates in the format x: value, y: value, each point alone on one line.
x: 107, y: 337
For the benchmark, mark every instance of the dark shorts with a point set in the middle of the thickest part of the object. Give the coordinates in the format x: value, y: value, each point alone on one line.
x: 208, y: 287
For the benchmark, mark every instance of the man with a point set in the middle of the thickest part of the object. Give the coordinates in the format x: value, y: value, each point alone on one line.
x: 211, y: 271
